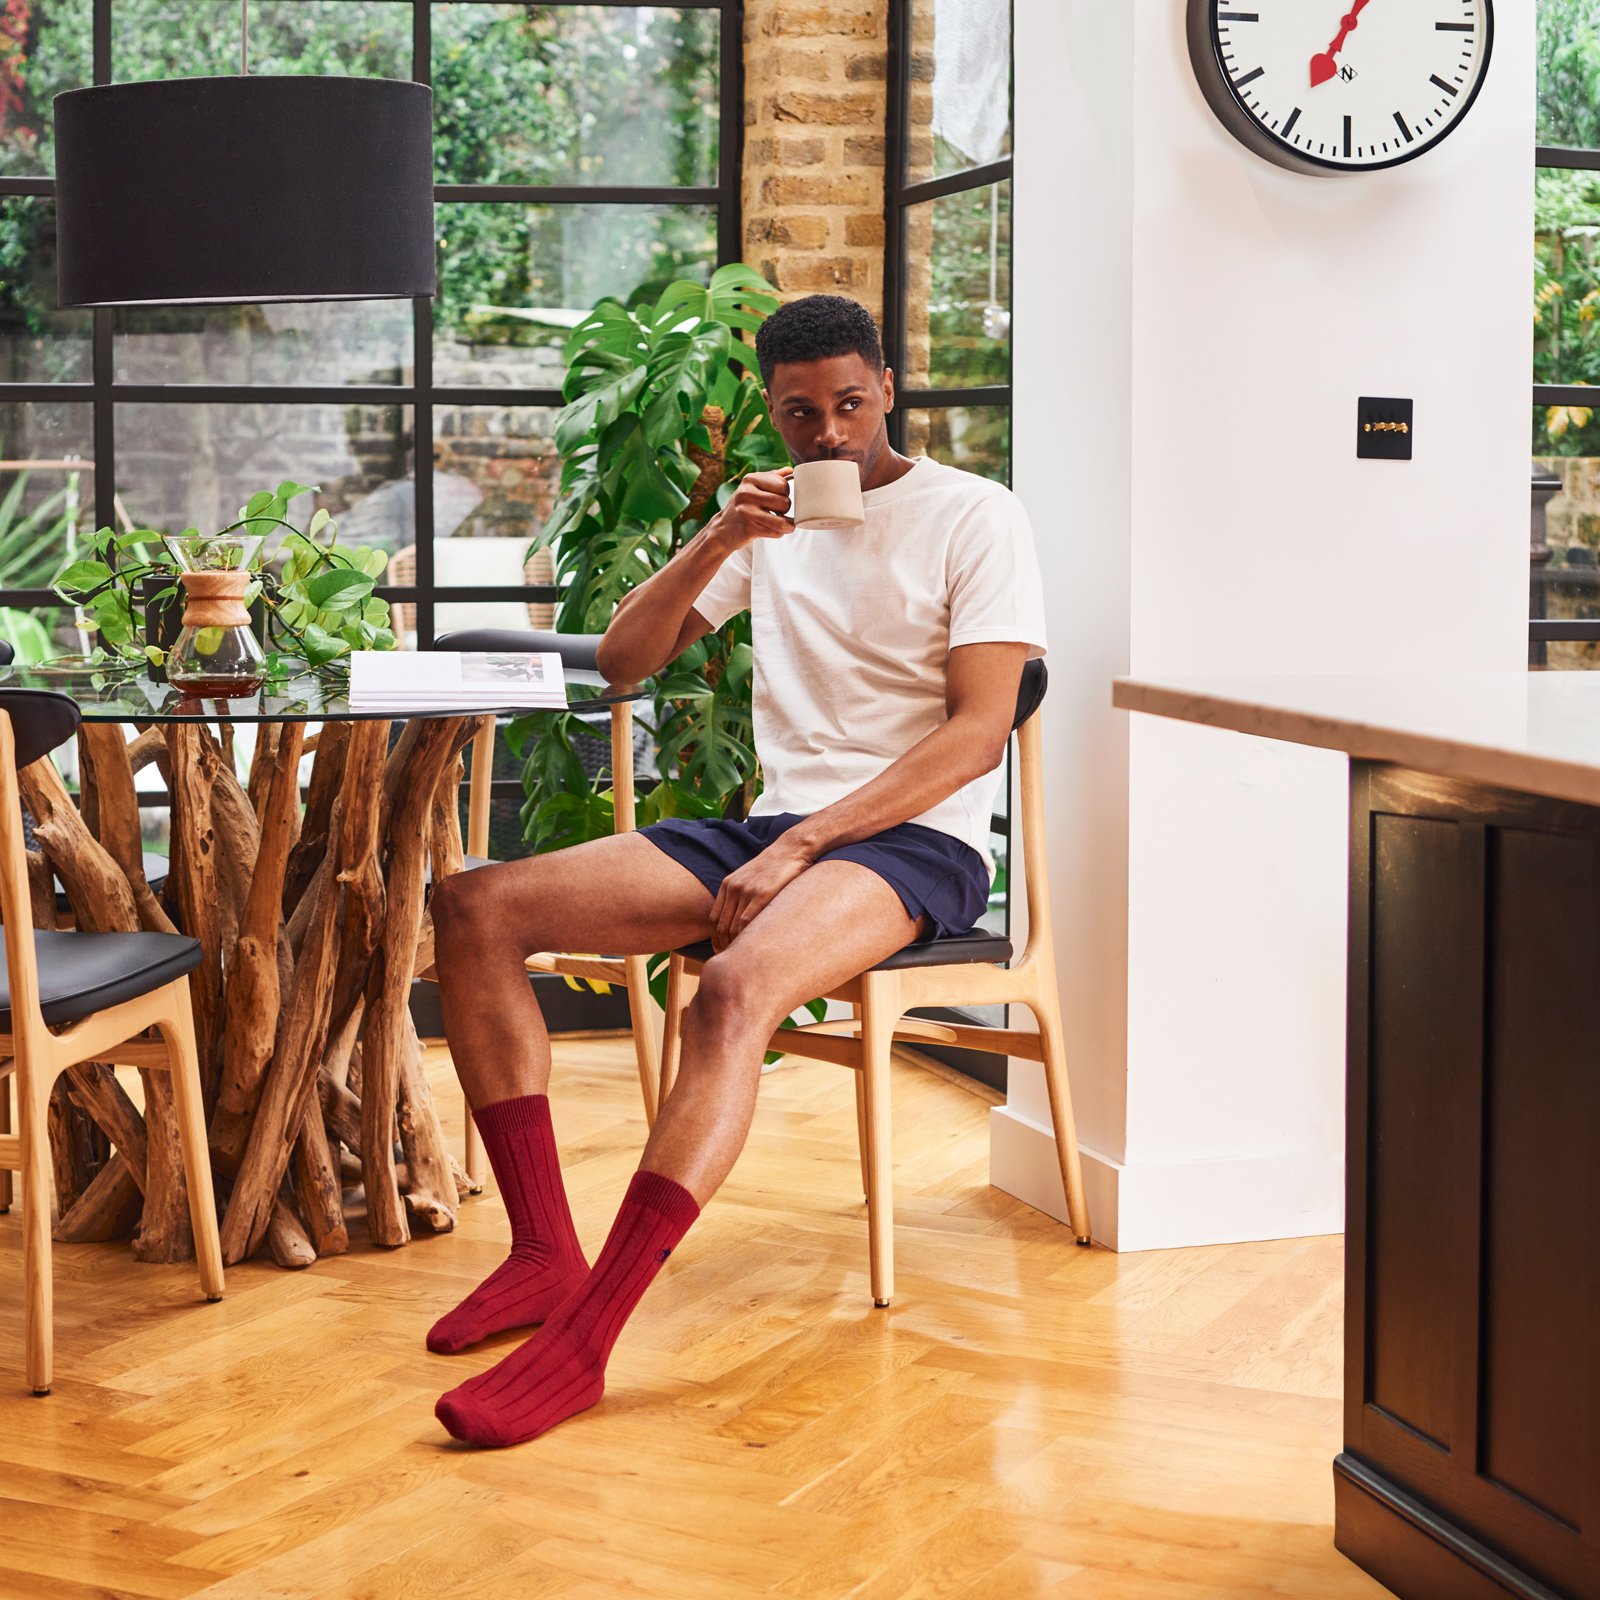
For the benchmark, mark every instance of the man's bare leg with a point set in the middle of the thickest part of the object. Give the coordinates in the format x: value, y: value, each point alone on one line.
x: 832, y: 922
x: 619, y: 896
x: 616, y: 896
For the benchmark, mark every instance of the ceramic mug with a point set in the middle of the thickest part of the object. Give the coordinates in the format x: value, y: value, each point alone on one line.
x: 827, y: 494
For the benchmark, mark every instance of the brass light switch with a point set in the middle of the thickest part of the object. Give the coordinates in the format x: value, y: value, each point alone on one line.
x: 1383, y: 429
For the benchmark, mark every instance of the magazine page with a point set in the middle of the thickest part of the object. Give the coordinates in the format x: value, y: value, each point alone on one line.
x: 432, y: 679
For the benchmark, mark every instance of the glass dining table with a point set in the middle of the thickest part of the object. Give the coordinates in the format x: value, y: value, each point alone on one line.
x: 308, y: 899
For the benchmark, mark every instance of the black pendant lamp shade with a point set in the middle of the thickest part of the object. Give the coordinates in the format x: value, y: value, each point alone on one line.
x: 198, y: 191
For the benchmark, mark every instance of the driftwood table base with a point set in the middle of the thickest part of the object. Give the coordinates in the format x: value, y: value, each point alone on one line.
x: 310, y: 921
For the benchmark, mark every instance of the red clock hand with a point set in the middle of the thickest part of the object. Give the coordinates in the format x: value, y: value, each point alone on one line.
x: 1323, y: 67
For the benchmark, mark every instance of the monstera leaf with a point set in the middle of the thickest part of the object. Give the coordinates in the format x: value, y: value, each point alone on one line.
x: 609, y: 330
x: 738, y: 296
x: 683, y: 367
x: 568, y: 819
x: 604, y: 568
x: 707, y: 735
x: 598, y: 407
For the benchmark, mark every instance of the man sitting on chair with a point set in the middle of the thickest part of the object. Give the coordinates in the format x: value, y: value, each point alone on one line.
x: 887, y: 664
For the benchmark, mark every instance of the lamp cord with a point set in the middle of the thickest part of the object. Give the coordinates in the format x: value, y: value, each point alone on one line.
x: 244, y: 38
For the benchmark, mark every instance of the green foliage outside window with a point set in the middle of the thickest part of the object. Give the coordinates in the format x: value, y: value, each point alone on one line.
x: 969, y: 302
x: 1569, y: 73
x: 32, y: 537
x: 1566, y: 236
x: 1566, y: 303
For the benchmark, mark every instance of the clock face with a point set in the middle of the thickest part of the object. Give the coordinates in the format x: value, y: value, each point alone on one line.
x: 1340, y: 85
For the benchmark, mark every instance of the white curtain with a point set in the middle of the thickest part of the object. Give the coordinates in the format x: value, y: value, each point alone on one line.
x: 971, y: 84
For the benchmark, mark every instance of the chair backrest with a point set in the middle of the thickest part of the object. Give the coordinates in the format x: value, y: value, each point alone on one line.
x: 32, y: 723
x: 577, y: 650
x: 40, y: 720
x: 1030, y: 692
x: 1030, y: 785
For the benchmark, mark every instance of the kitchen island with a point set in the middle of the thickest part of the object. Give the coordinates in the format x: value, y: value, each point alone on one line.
x: 1471, y: 1460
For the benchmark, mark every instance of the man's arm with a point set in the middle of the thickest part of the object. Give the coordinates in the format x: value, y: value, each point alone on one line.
x: 981, y: 686
x: 657, y: 622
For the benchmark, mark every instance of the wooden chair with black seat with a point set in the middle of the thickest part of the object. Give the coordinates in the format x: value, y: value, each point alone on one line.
x: 577, y: 652
x: 72, y: 997
x: 966, y: 970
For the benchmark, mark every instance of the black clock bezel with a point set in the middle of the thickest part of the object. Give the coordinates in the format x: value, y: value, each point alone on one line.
x: 1205, y: 56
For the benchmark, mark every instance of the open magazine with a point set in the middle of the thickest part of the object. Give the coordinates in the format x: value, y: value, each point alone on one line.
x: 385, y: 680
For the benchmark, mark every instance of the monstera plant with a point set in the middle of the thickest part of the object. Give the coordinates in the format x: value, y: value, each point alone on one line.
x: 663, y: 416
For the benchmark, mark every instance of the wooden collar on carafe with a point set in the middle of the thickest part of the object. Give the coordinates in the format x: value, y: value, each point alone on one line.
x: 215, y: 599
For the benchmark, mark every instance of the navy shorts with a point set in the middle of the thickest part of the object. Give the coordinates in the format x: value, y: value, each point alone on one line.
x: 935, y: 875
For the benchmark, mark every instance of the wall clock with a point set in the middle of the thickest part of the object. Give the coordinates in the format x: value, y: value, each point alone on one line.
x: 1328, y: 86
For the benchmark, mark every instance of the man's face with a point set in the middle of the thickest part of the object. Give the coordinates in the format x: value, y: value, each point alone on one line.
x: 833, y: 410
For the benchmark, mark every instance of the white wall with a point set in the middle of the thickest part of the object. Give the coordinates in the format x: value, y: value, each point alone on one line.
x: 1193, y: 327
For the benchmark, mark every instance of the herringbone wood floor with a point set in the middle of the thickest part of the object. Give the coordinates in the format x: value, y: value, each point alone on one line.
x: 1028, y: 1418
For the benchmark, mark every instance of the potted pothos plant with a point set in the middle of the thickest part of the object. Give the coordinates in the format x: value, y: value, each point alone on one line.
x: 663, y: 416
x: 318, y: 603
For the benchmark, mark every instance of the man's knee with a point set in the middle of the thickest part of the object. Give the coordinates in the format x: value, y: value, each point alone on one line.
x: 454, y: 904
x: 469, y: 906
x: 732, y: 996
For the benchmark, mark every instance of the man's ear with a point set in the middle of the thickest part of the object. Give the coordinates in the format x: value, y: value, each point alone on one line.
x: 888, y: 390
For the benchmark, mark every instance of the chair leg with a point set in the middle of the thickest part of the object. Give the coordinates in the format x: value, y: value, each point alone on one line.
x: 38, y: 1311
x: 1048, y: 1011
x: 646, y: 1046
x: 880, y: 1010
x: 177, y: 1029
x: 474, y: 1150
x: 5, y: 1127
x: 861, y: 1125
x: 861, y: 1109
x: 681, y: 985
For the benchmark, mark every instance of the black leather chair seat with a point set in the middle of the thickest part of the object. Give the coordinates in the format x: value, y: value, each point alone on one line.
x: 959, y: 949
x: 155, y: 874
x: 80, y: 973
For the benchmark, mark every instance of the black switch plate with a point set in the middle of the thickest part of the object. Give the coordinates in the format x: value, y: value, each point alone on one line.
x: 1383, y: 429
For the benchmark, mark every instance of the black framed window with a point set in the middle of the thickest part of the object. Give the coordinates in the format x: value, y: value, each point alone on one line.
x: 1564, y: 586
x: 947, y: 275
x: 581, y: 149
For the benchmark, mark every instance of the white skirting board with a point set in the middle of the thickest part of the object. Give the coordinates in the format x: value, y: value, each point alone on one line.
x: 1134, y: 1207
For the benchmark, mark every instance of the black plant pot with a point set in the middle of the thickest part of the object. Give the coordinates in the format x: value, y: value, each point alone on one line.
x: 163, y: 619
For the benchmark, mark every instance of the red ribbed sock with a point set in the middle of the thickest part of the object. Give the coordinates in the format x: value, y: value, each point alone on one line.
x: 561, y: 1370
x: 546, y: 1262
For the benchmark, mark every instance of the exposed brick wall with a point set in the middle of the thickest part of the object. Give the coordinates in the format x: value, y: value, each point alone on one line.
x: 813, y: 163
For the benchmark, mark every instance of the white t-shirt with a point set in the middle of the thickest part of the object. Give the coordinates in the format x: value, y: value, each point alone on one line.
x: 852, y: 628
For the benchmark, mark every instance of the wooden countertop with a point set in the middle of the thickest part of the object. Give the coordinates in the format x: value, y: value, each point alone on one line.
x: 1537, y: 732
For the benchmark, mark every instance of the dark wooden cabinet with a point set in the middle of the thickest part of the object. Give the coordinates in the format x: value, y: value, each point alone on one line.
x: 1471, y: 1465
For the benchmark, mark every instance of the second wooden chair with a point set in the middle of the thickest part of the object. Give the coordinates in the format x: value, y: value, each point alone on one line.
x: 99, y: 992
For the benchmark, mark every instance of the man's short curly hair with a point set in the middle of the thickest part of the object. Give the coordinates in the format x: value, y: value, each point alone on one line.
x: 812, y: 329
